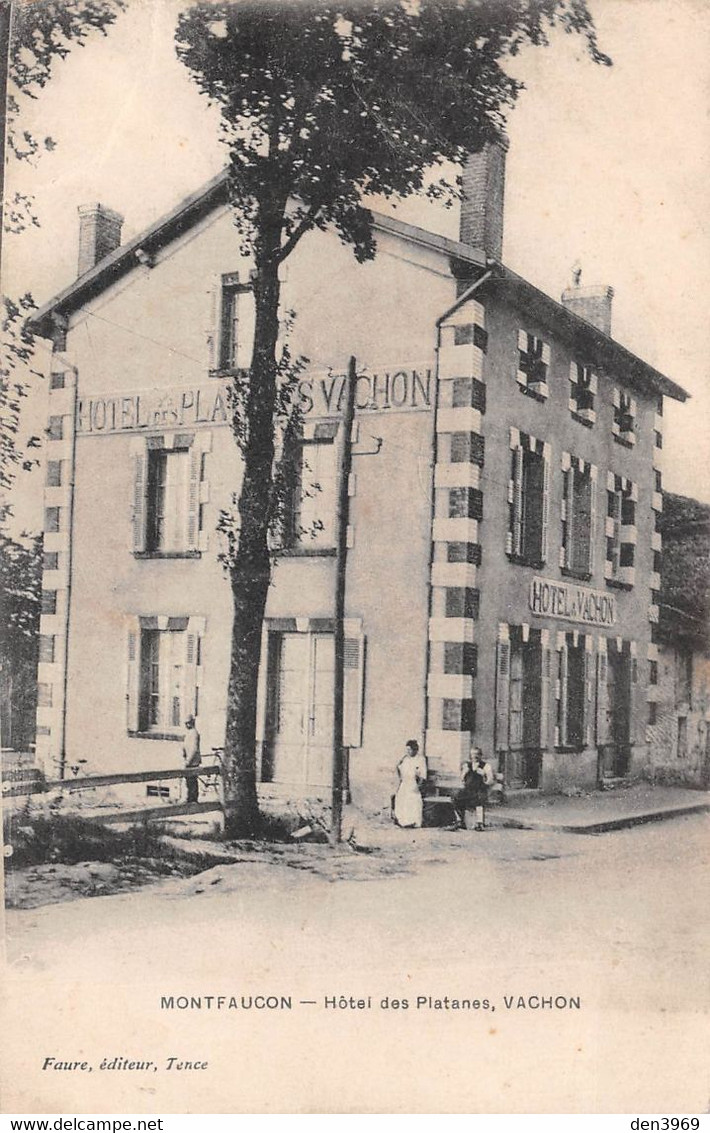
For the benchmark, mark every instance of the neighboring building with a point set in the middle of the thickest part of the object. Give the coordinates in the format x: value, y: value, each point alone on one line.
x: 502, y: 575
x: 679, y: 684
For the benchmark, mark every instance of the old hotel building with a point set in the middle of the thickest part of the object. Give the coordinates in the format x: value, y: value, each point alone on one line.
x: 504, y: 552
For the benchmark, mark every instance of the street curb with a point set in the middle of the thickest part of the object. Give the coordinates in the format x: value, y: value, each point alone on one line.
x: 600, y: 827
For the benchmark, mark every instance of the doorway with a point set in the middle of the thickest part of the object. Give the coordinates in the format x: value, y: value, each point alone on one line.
x: 524, y: 759
x: 299, y: 710
x: 617, y: 753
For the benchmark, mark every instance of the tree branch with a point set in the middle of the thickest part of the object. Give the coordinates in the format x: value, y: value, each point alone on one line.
x: 307, y: 221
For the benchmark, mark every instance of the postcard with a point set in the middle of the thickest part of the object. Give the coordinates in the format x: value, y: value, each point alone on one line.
x: 355, y: 550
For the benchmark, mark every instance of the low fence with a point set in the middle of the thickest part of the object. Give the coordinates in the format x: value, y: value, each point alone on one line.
x: 207, y: 773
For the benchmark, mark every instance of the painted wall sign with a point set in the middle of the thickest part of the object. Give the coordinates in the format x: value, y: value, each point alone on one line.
x: 391, y: 389
x: 571, y: 603
x: 153, y: 409
x: 208, y: 405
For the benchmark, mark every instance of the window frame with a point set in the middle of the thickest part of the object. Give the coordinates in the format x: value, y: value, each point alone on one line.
x: 190, y: 492
x: 534, y: 360
x: 621, y: 519
x: 151, y: 661
x: 625, y: 418
x: 294, y: 539
x: 578, y: 473
x: 527, y: 452
x: 583, y: 386
x: 228, y: 338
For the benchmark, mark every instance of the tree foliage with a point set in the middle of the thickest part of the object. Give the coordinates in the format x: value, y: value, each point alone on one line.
x: 685, y: 574
x: 20, y: 595
x: 42, y: 33
x: 321, y: 104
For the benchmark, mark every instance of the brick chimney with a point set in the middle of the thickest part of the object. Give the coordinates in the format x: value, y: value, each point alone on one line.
x: 590, y: 303
x: 483, y: 194
x: 99, y: 234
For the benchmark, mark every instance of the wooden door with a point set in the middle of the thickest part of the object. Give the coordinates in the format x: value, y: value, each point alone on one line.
x: 302, y: 727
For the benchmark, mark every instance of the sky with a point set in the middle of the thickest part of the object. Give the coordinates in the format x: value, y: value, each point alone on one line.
x: 608, y: 167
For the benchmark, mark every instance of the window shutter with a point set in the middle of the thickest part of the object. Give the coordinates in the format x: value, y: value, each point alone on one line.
x: 592, y: 519
x: 214, y: 320
x: 582, y: 524
x: 133, y: 670
x: 518, y: 468
x: 191, y: 675
x: 602, y: 700
x: 545, y: 674
x: 503, y: 696
x: 353, y: 690
x: 588, y: 728
x: 564, y: 691
x: 570, y: 524
x: 545, y: 504
x: 193, y: 499
x: 616, y: 538
x: 140, y: 490
x: 636, y: 732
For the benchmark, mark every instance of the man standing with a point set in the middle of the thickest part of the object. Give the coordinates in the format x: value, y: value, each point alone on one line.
x: 192, y: 757
x: 482, y: 779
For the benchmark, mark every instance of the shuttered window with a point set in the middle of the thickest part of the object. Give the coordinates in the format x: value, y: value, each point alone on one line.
x: 235, y: 332
x: 310, y: 505
x: 583, y: 389
x: 624, y: 423
x: 572, y: 693
x: 528, y: 496
x: 521, y: 691
x: 579, y: 513
x: 533, y: 364
x: 162, y: 676
x: 169, y: 490
x: 620, y: 532
x: 168, y: 471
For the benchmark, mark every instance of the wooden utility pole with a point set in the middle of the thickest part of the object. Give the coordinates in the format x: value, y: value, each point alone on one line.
x: 343, y: 515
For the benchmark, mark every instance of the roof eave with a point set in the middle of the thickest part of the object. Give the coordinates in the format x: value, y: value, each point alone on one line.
x: 605, y: 351
x: 214, y: 193
x: 124, y: 259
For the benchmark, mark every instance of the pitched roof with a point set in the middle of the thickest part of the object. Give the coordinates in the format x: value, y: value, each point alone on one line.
x: 596, y: 345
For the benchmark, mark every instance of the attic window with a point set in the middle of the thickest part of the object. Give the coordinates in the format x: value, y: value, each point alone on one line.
x: 583, y: 389
x: 623, y: 428
x: 533, y: 364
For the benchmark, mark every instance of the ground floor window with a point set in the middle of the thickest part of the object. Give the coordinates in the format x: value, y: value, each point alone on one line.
x: 564, y: 690
x: 164, y: 665
x: 574, y: 692
x: 616, y: 676
x: 522, y: 682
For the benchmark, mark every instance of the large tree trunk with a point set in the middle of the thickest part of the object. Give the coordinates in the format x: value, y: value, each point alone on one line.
x: 250, y: 570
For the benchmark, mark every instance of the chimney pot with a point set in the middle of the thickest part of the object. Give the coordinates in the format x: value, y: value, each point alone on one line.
x: 591, y: 303
x: 99, y: 234
x: 482, y: 199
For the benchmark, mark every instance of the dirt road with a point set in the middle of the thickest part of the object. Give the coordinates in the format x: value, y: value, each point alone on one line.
x: 530, y: 923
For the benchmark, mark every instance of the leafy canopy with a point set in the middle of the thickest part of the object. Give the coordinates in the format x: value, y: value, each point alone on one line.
x: 42, y: 32
x: 322, y: 101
